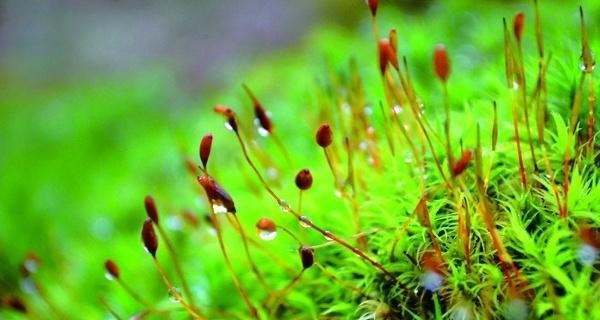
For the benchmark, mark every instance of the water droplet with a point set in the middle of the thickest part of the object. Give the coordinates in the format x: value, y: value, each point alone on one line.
x: 272, y: 173
x: 228, y: 126
x: 587, y: 254
x: 431, y: 281
x: 218, y: 207
x: 328, y: 235
x: 109, y: 276
x: 346, y: 108
x: 515, y: 85
x: 363, y: 145
x: 262, y: 132
x: 338, y: 193
x: 174, y: 222
x: 28, y: 286
x: 267, y: 235
x: 371, y: 160
x: 211, y: 231
x: 31, y: 265
x: 397, y: 109
x: 284, y: 206
x: 368, y: 111
x: 304, y: 221
x: 175, y: 295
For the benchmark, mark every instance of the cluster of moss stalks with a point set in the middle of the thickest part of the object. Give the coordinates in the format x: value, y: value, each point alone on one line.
x: 498, y: 224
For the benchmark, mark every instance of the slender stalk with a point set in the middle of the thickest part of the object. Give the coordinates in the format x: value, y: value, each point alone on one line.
x: 447, y: 127
x: 173, y: 290
x: 591, y: 117
x: 42, y: 294
x: 567, y: 158
x: 134, y: 295
x: 275, y: 300
x: 340, y: 281
x: 176, y: 264
x: 332, y: 168
x: 300, y: 201
x: 109, y: 308
x: 253, y: 266
x: 362, y: 243
x: 523, y: 90
x: 267, y: 252
x: 282, y: 149
x: 251, y: 308
x: 518, y: 138
x: 417, y: 116
x: 289, y: 233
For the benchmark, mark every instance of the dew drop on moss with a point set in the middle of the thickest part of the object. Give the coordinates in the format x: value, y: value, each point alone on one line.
x: 284, y: 206
x: 304, y: 221
x: 175, y: 295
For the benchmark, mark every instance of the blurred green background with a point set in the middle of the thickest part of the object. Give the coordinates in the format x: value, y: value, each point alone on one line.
x: 100, y: 100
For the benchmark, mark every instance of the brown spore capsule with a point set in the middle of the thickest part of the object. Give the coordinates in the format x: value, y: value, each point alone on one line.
x: 151, y: 209
x: 205, y: 147
x: 112, y: 268
x: 304, y: 179
x: 518, y: 25
x: 373, y: 4
x: 441, y: 62
x: 324, y: 135
x: 266, y: 224
x: 462, y: 163
x: 149, y: 237
x: 219, y: 198
x: 229, y: 115
x: 307, y: 255
x: 387, y: 54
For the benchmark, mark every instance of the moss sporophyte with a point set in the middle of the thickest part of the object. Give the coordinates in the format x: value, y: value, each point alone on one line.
x: 415, y: 209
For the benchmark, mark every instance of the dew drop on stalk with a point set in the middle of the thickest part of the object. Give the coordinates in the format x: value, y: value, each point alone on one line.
x: 284, y: 206
x: 371, y: 160
x: 338, y: 193
x: 218, y: 207
x: 304, y: 221
x: 109, y: 276
x: 228, y: 126
x: 328, y: 236
x: 397, y: 109
x: 262, y: 132
x: 368, y: 111
x: 175, y: 295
